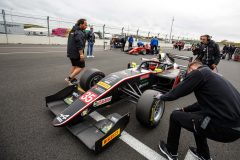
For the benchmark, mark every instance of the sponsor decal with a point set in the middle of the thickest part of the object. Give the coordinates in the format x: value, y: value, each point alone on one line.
x: 75, y: 94
x: 68, y: 100
x: 59, y: 119
x: 111, y: 79
x: 102, y: 101
x: 111, y: 137
x: 104, y: 85
x: 145, y: 76
x: 62, y: 116
x: 88, y: 97
x: 84, y: 113
x: 99, y: 89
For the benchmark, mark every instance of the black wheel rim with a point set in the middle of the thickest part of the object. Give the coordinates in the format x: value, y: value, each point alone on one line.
x: 95, y: 80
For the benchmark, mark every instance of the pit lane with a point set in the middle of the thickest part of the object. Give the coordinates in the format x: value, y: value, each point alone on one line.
x: 30, y: 72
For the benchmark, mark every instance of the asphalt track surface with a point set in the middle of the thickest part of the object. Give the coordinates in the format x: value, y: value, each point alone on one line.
x: 28, y: 73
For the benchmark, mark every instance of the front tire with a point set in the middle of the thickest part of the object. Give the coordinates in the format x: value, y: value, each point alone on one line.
x: 149, y: 110
x: 90, y: 77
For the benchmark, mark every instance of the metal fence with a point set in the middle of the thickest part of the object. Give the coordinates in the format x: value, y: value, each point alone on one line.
x: 16, y: 23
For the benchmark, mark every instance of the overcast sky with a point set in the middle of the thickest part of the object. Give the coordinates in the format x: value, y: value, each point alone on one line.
x: 218, y: 18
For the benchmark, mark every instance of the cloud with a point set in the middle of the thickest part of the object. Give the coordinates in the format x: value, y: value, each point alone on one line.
x: 192, y: 18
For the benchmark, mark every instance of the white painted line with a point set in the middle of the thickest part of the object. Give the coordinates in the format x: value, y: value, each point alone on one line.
x: 32, y: 52
x: 141, y: 148
x: 190, y: 156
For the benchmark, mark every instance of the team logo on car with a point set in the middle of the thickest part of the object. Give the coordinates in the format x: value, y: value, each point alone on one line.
x: 102, y: 101
x: 144, y: 76
x: 104, y: 85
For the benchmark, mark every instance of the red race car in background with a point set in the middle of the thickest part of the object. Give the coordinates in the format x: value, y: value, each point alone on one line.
x: 236, y: 55
x: 146, y: 49
x: 178, y: 45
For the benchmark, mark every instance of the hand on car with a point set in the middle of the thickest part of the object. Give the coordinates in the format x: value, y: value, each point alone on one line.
x: 179, y: 109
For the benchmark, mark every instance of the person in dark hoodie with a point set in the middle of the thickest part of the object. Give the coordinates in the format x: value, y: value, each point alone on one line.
x: 123, y: 42
x: 207, y: 52
x: 215, y: 115
x: 75, y: 49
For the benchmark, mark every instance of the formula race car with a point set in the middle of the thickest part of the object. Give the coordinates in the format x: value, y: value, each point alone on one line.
x: 178, y: 45
x: 146, y: 49
x: 74, y: 106
x: 236, y: 54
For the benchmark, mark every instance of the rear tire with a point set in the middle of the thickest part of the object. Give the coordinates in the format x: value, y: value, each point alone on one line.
x: 149, y: 110
x: 142, y: 52
x: 90, y: 77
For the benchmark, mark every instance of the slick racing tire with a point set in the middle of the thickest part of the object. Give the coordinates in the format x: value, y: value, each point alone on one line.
x: 90, y: 77
x: 142, y: 52
x: 149, y: 110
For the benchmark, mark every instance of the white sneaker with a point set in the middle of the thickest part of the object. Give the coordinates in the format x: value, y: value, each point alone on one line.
x: 88, y: 56
x: 92, y: 56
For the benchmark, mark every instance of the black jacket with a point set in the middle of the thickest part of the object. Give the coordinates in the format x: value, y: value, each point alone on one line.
x: 216, y: 96
x: 76, y: 42
x: 208, y: 54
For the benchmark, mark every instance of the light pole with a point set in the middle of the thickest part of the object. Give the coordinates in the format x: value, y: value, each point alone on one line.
x: 11, y: 15
x: 170, y: 36
x: 137, y: 33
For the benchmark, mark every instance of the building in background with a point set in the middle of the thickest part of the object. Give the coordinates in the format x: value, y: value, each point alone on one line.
x: 36, y: 31
x: 12, y: 28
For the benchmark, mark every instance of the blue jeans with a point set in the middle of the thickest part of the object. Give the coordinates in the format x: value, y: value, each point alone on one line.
x: 90, y: 49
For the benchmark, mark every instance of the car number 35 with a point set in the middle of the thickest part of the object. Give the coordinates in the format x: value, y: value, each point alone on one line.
x: 88, y: 97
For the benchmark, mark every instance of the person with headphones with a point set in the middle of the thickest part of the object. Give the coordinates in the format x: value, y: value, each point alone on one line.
x: 207, y: 52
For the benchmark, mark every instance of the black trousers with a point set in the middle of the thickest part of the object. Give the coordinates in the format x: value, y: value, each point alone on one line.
x: 230, y: 55
x: 130, y: 45
x: 123, y: 46
x: 191, y: 119
x: 154, y: 49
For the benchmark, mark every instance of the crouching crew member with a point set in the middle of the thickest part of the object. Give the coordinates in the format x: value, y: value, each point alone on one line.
x: 215, y: 115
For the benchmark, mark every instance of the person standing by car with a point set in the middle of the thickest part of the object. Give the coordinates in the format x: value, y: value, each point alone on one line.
x: 91, y: 41
x: 231, y: 51
x: 123, y: 42
x: 224, y: 51
x: 75, y: 49
x: 207, y: 52
x: 154, y: 45
x: 130, y: 42
x: 215, y: 115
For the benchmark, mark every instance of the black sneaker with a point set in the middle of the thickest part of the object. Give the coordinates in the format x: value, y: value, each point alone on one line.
x: 163, y: 148
x: 71, y: 81
x: 196, y: 154
x: 74, y: 81
x: 67, y: 79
